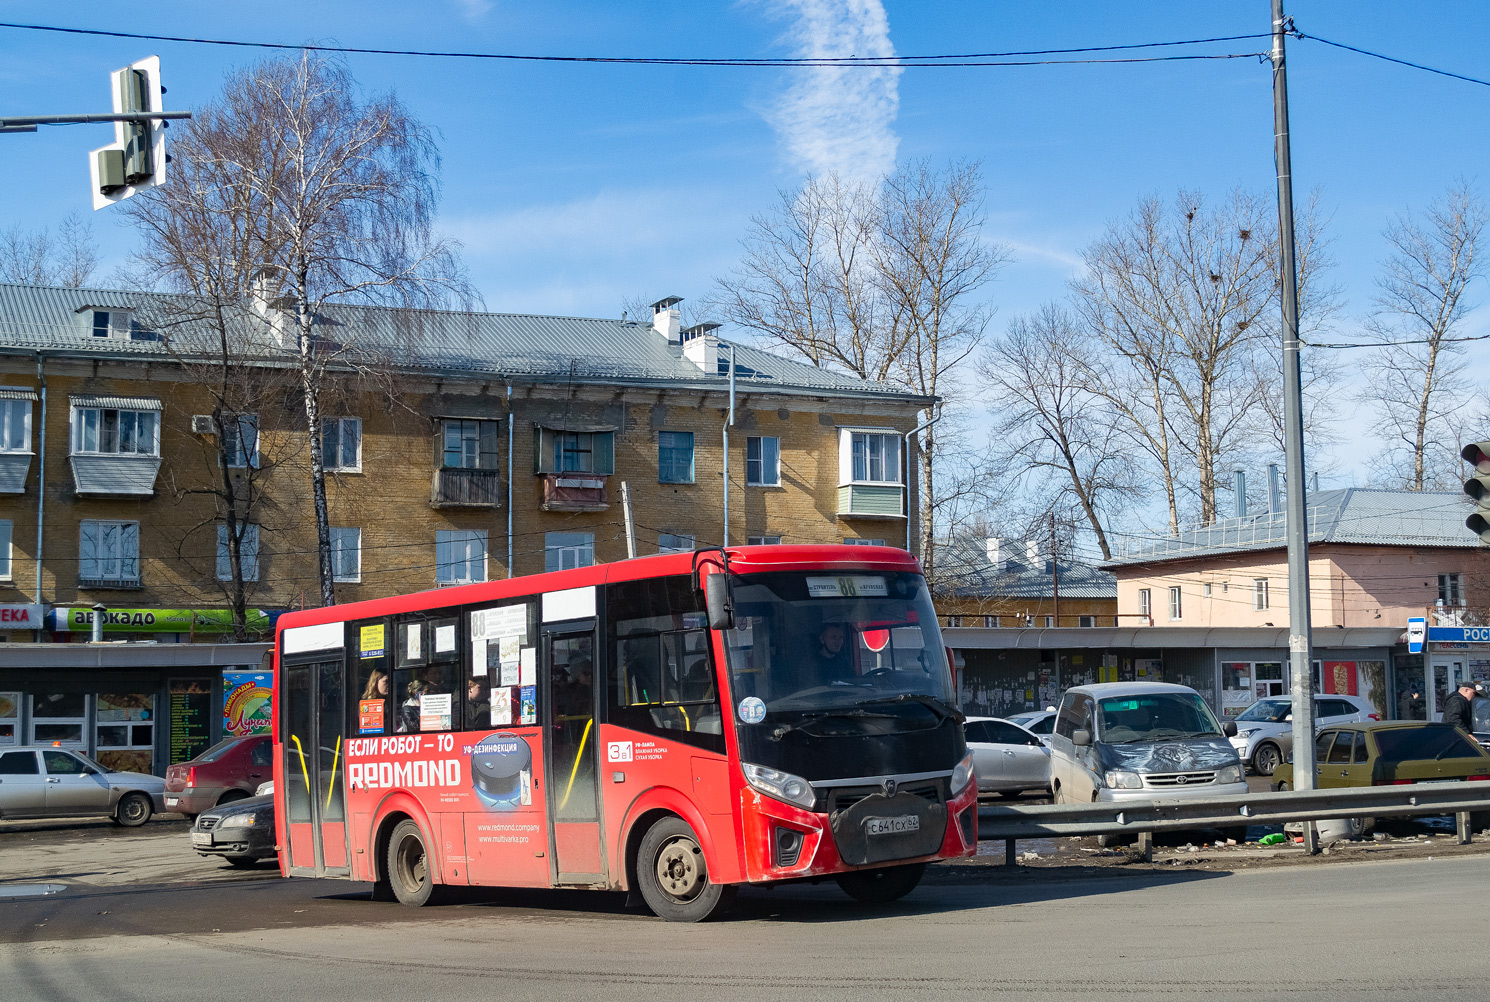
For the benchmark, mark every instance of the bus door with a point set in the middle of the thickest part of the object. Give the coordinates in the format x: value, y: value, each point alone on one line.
x: 573, y: 797
x: 314, y: 721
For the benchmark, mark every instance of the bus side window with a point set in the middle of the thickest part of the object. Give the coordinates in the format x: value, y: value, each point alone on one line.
x: 428, y: 685
x: 374, y: 708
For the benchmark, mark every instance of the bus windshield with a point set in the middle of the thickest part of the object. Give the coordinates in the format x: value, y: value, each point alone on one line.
x: 827, y: 642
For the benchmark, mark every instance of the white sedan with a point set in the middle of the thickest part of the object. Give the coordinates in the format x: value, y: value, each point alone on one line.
x: 1007, y: 759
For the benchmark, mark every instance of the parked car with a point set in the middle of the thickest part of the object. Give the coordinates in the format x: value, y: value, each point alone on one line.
x: 1039, y: 723
x: 242, y: 832
x: 1264, y: 736
x: 1007, y: 759
x: 1391, y: 753
x: 230, y: 770
x: 59, y: 782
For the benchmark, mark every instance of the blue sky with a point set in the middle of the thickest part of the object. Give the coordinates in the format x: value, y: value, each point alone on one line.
x: 575, y: 187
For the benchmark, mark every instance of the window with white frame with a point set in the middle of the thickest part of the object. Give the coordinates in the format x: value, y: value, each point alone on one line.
x: 111, y: 323
x: 248, y: 552
x: 873, y: 458
x: 1145, y: 603
x: 763, y: 540
x: 1086, y: 622
x: 460, y: 556
x: 240, y: 440
x: 115, y: 431
x: 6, y: 530
x: 763, y: 461
x: 108, y: 553
x: 563, y: 551
x: 1205, y: 590
x: 668, y: 542
x: 346, y: 554
x: 341, y: 444
x: 1049, y: 621
x: 854, y: 541
x: 1176, y: 608
x: 954, y: 620
x: 15, y: 425
x: 1259, y: 594
x: 990, y: 621
x: 1450, y: 590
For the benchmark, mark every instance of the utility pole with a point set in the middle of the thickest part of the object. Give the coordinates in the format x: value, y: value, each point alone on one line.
x: 630, y: 526
x: 1299, y: 654
x: 1055, y: 573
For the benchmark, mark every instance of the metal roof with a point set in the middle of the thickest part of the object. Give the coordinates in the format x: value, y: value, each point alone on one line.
x: 964, y: 571
x: 1352, y: 515
x: 521, y: 347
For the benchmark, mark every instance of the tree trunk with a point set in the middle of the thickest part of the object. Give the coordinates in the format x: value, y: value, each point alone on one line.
x: 1419, y: 466
x: 928, y: 507
x: 311, y: 391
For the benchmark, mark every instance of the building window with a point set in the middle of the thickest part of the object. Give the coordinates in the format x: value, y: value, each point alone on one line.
x: 1259, y: 594
x: 346, y: 554
x: 1450, y: 592
x: 6, y: 531
x: 1086, y: 622
x: 460, y: 556
x: 248, y: 552
x: 862, y: 542
x: 1145, y: 603
x: 1205, y: 590
x: 1176, y: 609
x: 674, y: 457
x: 563, y: 551
x: 15, y: 426
x: 875, y: 458
x: 667, y: 542
x: 110, y: 431
x: 112, y: 323
x: 574, y: 451
x: 240, y: 440
x: 990, y: 621
x: 469, y: 445
x: 1049, y: 621
x: 341, y: 444
x: 108, y: 553
x: 763, y: 461
x: 763, y: 540
x: 954, y: 620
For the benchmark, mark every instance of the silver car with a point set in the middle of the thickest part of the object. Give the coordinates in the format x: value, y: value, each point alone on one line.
x: 1264, y: 730
x: 1007, y: 759
x: 1040, y: 723
x: 56, y: 782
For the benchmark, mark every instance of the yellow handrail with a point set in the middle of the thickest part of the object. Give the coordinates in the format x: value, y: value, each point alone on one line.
x: 584, y: 738
x: 301, y: 752
x: 335, y: 758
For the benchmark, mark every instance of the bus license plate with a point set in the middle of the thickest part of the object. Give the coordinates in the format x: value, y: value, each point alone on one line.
x: 201, y: 838
x: 894, y: 826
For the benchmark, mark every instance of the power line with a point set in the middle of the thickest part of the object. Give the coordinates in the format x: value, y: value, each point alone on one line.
x: 1394, y: 59
x: 868, y: 62
x: 1397, y: 344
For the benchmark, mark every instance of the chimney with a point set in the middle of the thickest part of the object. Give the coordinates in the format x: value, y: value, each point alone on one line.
x: 1275, y: 491
x: 1032, y: 551
x: 701, y: 347
x: 991, y: 545
x: 1314, y: 482
x: 666, y: 318
x: 268, y: 306
x: 1239, y: 485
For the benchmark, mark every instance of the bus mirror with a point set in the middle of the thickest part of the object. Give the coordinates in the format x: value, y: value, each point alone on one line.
x: 717, y: 601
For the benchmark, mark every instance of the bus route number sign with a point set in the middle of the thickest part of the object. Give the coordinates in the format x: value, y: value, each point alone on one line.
x: 849, y: 586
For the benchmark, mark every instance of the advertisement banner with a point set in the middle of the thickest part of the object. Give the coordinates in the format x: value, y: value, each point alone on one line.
x: 245, y: 703
x: 80, y: 620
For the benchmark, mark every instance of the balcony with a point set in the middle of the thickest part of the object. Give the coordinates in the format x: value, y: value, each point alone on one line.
x: 573, y: 492
x: 462, y: 488
x: 871, y: 501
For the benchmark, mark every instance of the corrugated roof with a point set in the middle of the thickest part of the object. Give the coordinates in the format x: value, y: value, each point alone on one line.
x: 1351, y: 515
x: 964, y: 571
x: 500, y: 345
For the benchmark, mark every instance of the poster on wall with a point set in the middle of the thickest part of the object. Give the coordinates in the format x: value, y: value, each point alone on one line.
x: 245, y: 703
x: 1234, y: 701
x: 191, y: 718
x: 1340, y: 678
x: 10, y: 717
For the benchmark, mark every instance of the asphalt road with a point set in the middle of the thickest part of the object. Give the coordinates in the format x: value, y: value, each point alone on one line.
x: 1381, y: 930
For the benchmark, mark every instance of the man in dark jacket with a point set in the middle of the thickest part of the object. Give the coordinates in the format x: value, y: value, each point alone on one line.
x: 1456, y: 709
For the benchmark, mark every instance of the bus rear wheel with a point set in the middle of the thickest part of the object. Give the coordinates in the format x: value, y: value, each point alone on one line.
x: 878, y: 887
x: 672, y: 877
x: 409, y: 866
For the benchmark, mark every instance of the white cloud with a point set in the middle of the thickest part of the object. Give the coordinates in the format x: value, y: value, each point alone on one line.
x: 474, y: 10
x: 840, y: 118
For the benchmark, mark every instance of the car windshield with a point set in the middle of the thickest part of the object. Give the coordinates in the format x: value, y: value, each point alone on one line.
x: 1267, y: 711
x: 1154, y: 716
x: 821, y: 642
x: 1429, y: 741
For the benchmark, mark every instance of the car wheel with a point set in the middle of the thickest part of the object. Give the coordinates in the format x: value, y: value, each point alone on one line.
x: 1055, y: 794
x: 1114, y: 840
x: 230, y: 797
x: 134, y: 810
x: 672, y: 876
x: 242, y: 862
x: 409, y: 868
x: 878, y: 887
x: 1265, y: 759
x: 1239, y: 834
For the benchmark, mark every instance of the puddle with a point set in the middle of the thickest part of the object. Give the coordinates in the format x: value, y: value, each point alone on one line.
x: 30, y: 890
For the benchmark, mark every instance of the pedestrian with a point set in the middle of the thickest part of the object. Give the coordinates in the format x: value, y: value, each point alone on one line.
x: 1456, y: 709
x: 1413, y: 707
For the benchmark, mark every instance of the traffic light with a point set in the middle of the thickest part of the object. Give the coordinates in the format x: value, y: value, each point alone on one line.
x: 136, y: 159
x: 1477, y: 454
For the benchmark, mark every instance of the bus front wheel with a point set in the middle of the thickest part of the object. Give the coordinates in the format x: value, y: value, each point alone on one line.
x: 877, y: 887
x: 672, y: 877
x: 409, y: 865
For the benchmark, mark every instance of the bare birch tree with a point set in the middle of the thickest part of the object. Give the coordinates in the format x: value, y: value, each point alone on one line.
x: 1049, y: 421
x: 1416, y: 380
x: 38, y: 258
x: 334, y: 199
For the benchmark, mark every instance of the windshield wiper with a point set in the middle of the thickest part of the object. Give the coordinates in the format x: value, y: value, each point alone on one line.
x: 813, y: 716
x: 941, y: 709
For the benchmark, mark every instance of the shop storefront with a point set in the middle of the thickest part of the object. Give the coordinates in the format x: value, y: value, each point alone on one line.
x: 1453, y: 654
x: 138, y: 706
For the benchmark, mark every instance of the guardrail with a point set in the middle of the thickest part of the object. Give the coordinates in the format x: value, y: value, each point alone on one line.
x: 1145, y: 816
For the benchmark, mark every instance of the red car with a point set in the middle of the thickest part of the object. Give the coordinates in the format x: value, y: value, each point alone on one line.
x: 230, y: 770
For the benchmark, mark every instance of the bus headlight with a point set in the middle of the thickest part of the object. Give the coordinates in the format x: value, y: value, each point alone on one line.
x: 781, y: 785
x: 963, y: 774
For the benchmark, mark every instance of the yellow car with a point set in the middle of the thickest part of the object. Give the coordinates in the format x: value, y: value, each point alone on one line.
x: 1390, y: 753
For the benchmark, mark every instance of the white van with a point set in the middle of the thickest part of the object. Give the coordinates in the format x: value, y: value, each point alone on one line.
x: 1140, y: 741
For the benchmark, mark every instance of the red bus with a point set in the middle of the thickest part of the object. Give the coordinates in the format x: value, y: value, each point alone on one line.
x: 673, y: 726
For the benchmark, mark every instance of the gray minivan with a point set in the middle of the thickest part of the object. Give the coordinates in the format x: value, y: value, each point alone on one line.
x: 1140, y: 741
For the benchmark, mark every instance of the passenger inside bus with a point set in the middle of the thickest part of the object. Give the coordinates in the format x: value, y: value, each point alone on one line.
x: 477, y: 708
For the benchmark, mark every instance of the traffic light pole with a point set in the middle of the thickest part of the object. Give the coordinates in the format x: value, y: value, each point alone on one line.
x: 28, y: 123
x: 1299, y: 654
